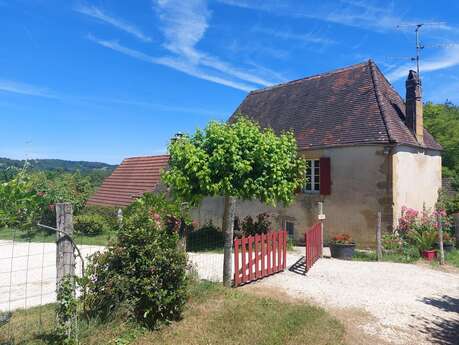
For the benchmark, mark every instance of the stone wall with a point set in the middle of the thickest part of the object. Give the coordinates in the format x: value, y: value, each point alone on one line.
x: 416, y: 179
x: 361, y: 186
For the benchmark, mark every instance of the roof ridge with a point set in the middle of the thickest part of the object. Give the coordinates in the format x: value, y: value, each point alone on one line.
x: 378, y: 99
x: 150, y: 156
x: 292, y: 82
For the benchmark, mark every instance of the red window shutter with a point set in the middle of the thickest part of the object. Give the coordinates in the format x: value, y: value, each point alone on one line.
x: 325, y: 176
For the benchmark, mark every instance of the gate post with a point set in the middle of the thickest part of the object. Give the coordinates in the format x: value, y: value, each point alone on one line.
x: 65, y: 260
x: 321, y: 217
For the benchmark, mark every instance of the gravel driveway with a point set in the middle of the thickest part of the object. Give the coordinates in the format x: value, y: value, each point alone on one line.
x: 406, y: 303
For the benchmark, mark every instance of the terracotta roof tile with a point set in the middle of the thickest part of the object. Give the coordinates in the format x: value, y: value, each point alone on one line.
x: 351, y: 105
x: 131, y: 179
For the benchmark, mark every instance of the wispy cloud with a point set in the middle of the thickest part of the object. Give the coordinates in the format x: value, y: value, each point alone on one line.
x: 184, y: 25
x: 95, y: 12
x: 24, y: 89
x: 353, y: 13
x: 448, y: 58
x: 172, y: 62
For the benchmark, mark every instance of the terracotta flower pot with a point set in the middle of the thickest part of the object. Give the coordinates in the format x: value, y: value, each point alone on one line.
x: 429, y: 255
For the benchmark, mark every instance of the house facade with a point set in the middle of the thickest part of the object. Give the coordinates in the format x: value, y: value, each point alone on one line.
x: 366, y: 148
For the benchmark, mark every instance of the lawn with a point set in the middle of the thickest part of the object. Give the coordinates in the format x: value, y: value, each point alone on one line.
x: 451, y: 258
x: 48, y: 236
x: 214, y: 315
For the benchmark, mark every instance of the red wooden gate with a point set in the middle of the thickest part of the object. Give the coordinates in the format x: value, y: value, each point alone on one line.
x: 259, y: 256
x: 314, y: 244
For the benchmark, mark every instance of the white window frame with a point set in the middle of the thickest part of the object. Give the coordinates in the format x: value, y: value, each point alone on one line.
x: 313, y: 163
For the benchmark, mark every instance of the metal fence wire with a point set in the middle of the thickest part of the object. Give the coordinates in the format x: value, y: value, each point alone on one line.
x: 28, y: 271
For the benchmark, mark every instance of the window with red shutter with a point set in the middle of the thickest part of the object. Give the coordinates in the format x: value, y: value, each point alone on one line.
x: 312, y: 184
x: 325, y: 176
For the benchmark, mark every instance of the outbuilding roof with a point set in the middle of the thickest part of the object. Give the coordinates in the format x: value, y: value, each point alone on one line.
x: 131, y: 179
x: 351, y: 105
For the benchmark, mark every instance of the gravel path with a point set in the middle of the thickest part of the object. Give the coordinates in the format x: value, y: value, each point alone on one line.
x: 409, y: 304
x: 28, y: 273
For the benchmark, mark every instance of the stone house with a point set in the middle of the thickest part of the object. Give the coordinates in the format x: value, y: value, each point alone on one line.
x: 366, y: 147
x: 367, y: 151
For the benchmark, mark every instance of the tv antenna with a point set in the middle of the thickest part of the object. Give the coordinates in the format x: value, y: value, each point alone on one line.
x: 419, y: 45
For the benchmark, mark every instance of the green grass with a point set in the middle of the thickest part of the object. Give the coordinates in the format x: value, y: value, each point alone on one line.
x: 451, y: 258
x: 50, y: 237
x: 361, y: 255
x: 214, y: 315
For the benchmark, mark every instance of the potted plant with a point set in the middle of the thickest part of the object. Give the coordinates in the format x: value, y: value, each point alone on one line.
x: 424, y: 238
x: 342, y: 247
x: 448, y: 242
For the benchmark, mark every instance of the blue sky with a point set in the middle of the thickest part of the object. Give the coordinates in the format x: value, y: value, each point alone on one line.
x: 106, y: 79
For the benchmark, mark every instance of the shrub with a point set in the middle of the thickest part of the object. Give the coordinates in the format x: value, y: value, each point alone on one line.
x: 109, y: 214
x: 90, y: 224
x: 207, y: 238
x: 172, y: 214
x: 447, y: 238
x: 257, y: 227
x: 422, y: 238
x: 420, y: 229
x: 142, y: 274
x: 392, y: 242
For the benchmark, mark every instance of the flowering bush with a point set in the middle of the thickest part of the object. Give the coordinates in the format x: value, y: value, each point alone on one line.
x: 421, y: 228
x: 342, y: 239
x: 407, y: 220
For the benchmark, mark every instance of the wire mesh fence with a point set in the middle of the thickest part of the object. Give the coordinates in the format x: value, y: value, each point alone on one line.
x: 205, y: 252
x: 28, y: 271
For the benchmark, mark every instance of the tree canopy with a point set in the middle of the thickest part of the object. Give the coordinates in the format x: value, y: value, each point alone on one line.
x: 236, y: 159
x: 442, y: 121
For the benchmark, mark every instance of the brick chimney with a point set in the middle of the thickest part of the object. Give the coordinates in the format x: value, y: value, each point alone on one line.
x: 414, y: 112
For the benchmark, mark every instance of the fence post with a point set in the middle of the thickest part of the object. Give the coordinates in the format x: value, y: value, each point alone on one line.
x: 65, y: 260
x: 321, y: 217
x: 119, y: 218
x: 378, y: 238
x: 440, y: 240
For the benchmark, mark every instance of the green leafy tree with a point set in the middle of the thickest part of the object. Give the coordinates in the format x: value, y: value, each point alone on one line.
x: 20, y: 204
x: 442, y: 121
x: 237, y: 160
x: 63, y: 187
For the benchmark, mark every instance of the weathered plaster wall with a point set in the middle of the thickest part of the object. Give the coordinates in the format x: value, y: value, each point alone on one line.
x: 416, y: 178
x: 361, y: 186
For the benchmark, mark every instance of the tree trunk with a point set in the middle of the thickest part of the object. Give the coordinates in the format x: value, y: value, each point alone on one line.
x: 228, y: 230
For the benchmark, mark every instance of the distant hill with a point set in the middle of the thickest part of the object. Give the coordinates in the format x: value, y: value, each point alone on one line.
x: 58, y: 165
